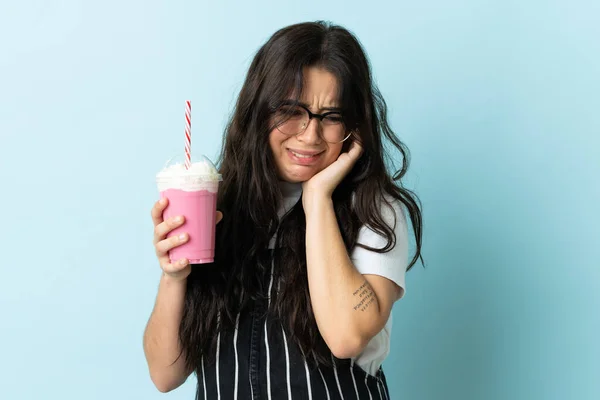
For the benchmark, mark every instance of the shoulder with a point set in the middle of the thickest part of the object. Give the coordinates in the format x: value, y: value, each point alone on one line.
x: 392, y: 212
x: 378, y: 253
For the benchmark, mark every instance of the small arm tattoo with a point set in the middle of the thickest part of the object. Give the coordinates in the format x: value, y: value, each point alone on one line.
x: 365, y: 296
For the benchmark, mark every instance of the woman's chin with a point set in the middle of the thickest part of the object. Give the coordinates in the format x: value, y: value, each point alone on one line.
x: 296, y: 179
x: 299, y: 174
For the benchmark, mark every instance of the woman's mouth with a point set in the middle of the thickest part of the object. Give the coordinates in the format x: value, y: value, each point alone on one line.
x: 303, y: 158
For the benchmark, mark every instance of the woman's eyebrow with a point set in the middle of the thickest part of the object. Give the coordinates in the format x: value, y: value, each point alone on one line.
x: 290, y: 102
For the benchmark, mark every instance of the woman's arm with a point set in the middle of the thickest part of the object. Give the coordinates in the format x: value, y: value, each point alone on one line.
x: 350, y: 308
x: 161, y: 338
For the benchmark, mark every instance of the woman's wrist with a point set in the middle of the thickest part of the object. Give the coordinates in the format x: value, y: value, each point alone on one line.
x: 313, y: 201
x: 173, y: 280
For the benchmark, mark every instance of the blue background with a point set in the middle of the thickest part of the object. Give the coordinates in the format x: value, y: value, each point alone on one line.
x: 497, y: 100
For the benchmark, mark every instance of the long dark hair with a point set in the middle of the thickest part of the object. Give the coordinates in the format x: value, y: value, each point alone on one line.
x: 250, y: 194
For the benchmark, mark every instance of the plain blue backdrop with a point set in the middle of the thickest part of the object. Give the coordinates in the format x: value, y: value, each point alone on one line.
x: 497, y: 101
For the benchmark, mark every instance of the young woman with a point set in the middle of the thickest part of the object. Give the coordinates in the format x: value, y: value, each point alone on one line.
x: 312, y: 243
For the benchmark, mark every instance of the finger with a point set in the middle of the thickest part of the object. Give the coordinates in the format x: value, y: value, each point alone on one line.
x: 356, y: 149
x: 161, y: 230
x: 354, y: 152
x: 157, y: 211
x: 178, y: 268
x: 163, y: 246
x: 163, y: 259
x: 219, y: 216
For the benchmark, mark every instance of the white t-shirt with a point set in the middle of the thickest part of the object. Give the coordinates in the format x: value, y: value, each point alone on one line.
x: 391, y: 265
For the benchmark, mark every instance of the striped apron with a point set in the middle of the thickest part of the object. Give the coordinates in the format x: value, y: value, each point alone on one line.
x: 257, y: 362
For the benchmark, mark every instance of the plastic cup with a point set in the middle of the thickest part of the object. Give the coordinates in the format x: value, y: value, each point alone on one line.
x: 193, y: 194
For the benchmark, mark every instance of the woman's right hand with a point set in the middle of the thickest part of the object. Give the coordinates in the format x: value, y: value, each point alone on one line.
x: 180, y: 269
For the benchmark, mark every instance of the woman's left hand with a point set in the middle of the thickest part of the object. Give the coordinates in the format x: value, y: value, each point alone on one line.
x: 324, y: 183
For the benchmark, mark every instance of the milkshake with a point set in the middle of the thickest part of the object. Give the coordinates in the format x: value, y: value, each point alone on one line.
x: 192, y: 193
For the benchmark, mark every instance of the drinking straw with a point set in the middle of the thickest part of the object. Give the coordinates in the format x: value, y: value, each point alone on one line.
x: 188, y: 134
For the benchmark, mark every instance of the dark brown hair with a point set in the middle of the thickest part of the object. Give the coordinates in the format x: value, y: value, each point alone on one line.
x: 250, y: 195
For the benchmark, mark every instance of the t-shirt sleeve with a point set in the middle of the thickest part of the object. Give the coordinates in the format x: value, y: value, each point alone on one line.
x: 391, y: 265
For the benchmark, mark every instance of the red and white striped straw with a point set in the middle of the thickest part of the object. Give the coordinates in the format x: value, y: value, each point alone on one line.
x: 188, y: 134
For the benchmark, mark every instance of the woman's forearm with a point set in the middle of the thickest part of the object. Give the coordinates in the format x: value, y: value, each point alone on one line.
x: 161, y: 338
x: 344, y: 303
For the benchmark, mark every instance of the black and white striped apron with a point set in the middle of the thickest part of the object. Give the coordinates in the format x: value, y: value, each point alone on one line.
x: 257, y: 362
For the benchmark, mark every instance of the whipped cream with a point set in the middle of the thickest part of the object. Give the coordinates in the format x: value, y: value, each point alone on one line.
x: 202, y: 175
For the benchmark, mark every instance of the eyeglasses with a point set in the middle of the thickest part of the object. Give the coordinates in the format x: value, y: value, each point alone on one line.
x: 293, y: 119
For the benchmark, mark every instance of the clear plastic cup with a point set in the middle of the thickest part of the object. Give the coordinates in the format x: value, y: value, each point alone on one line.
x: 193, y: 194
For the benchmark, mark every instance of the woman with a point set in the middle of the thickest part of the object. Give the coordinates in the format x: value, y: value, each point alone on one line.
x: 311, y: 249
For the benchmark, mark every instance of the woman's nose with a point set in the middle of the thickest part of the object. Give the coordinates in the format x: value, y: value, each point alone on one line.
x: 311, y: 134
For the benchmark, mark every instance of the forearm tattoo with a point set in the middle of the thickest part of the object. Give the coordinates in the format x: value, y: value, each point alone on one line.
x: 365, y: 297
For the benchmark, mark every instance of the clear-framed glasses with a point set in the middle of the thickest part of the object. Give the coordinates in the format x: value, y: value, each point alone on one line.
x: 293, y: 119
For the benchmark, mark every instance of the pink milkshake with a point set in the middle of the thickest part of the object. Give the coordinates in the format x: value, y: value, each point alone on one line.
x: 192, y: 193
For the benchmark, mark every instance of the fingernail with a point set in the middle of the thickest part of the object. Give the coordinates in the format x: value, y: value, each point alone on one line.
x: 178, y: 219
x: 182, y: 262
x: 182, y: 237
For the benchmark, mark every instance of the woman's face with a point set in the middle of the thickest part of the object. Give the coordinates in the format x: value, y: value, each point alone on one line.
x: 298, y: 158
